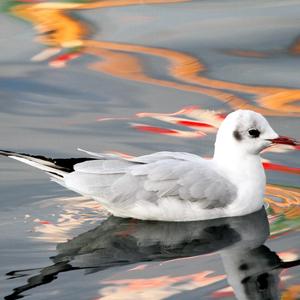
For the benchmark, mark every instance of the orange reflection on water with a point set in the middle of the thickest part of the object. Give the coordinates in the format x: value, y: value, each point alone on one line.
x: 157, y: 287
x: 284, y: 208
x: 273, y: 100
x: 291, y: 293
x: 55, y: 27
x: 58, y: 29
x: 288, y: 196
x: 181, y: 66
x: 74, y: 213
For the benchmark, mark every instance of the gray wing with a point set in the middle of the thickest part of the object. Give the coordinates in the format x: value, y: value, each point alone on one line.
x: 151, y: 177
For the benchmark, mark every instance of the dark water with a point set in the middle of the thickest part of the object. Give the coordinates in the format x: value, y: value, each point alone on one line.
x: 136, y: 77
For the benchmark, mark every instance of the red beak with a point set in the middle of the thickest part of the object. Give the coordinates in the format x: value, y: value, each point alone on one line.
x: 285, y: 141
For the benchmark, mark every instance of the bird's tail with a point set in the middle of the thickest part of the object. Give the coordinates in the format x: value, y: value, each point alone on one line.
x: 51, y: 166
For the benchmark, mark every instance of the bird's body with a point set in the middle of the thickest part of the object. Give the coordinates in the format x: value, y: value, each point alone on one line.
x: 174, y: 186
x: 169, y: 186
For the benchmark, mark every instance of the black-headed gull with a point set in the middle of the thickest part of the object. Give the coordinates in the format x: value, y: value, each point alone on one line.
x: 175, y: 186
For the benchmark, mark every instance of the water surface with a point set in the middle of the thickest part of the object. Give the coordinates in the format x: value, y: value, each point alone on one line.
x: 136, y: 77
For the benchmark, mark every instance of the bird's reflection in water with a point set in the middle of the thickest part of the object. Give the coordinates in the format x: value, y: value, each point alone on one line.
x: 252, y: 268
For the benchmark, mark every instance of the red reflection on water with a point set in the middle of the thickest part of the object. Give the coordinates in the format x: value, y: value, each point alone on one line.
x: 193, y: 124
x: 194, y: 118
x: 225, y: 292
x: 61, y: 60
x: 281, y: 168
x: 167, y: 131
x: 154, y: 129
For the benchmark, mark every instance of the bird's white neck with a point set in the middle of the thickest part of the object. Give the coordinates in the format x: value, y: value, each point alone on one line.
x: 246, y: 172
x: 231, y: 159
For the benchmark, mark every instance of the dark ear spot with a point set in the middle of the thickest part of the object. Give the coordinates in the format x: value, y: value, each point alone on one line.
x: 244, y: 267
x: 237, y: 135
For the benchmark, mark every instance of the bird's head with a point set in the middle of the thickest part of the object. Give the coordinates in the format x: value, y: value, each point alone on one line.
x: 247, y: 132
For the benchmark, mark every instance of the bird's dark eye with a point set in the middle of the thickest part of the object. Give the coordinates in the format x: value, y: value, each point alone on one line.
x: 254, y: 133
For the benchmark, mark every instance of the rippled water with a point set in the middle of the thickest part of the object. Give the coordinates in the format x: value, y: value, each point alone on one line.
x: 135, y: 77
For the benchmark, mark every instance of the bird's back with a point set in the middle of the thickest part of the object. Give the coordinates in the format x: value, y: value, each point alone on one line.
x: 170, y: 186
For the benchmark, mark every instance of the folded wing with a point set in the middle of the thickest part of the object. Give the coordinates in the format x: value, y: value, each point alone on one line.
x: 123, y: 182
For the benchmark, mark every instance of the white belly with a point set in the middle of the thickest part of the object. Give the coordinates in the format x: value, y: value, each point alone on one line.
x: 173, y: 209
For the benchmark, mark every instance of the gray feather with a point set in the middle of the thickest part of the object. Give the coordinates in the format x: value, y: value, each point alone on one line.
x: 151, y: 177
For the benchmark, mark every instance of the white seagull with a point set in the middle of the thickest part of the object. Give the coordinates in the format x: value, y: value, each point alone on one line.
x: 175, y: 186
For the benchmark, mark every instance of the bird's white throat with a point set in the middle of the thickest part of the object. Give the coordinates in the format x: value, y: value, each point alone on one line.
x: 245, y: 171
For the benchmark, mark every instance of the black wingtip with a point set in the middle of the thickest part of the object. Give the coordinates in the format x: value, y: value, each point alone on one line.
x: 64, y: 164
x: 6, y: 153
